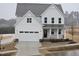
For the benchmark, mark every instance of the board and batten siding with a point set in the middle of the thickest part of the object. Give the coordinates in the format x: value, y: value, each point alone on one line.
x: 34, y: 29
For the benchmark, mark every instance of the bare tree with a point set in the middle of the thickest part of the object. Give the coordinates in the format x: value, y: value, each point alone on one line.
x: 72, y: 31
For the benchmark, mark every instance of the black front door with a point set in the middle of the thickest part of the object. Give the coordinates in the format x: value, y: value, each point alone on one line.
x: 45, y: 33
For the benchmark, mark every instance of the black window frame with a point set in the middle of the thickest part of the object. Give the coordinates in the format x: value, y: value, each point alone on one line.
x: 59, y: 20
x: 21, y: 31
x: 29, y: 20
x: 59, y: 32
x: 26, y: 32
x: 52, y: 31
x: 31, y: 31
x: 52, y: 20
x: 36, y: 32
x: 45, y: 20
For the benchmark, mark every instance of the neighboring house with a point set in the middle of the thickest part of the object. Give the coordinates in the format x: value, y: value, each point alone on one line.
x: 39, y: 21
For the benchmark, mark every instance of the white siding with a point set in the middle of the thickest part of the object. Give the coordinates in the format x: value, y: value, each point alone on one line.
x: 50, y: 12
x: 39, y: 20
x: 24, y: 26
x: 53, y: 12
x: 36, y: 25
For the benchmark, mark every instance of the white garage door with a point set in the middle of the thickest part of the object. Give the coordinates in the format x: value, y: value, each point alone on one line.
x: 30, y: 35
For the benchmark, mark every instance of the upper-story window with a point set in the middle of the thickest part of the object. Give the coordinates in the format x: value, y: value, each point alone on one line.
x: 59, y: 20
x: 45, y: 20
x: 52, y: 19
x: 29, y: 20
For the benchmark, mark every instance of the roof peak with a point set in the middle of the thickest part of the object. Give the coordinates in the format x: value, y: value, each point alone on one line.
x: 36, y: 8
x: 36, y: 3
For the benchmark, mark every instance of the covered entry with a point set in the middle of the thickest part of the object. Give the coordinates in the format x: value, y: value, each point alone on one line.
x: 52, y: 33
x: 45, y: 33
x: 49, y: 33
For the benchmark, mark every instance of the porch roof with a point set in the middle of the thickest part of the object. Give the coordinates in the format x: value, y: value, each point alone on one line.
x: 53, y: 26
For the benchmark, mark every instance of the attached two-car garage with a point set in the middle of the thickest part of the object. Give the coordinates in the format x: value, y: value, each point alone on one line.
x: 29, y: 35
x: 29, y: 28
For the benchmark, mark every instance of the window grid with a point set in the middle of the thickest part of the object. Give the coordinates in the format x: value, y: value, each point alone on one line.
x: 45, y: 20
x: 52, y: 31
x: 59, y: 31
x: 28, y: 32
x: 59, y: 20
x: 52, y: 20
x: 29, y: 20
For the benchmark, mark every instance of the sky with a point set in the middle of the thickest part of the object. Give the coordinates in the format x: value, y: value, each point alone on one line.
x: 7, y: 10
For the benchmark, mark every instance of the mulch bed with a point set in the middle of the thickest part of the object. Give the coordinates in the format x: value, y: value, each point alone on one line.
x: 55, y: 40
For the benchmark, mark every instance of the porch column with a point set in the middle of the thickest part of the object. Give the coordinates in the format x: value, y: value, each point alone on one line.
x: 57, y: 34
x: 50, y: 33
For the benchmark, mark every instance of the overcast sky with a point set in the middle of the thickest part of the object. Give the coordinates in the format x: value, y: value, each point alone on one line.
x: 7, y: 10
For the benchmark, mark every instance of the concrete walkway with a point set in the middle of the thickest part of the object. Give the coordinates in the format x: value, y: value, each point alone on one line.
x: 28, y: 48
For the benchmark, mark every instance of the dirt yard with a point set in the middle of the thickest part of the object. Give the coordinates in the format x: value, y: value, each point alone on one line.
x: 75, y: 33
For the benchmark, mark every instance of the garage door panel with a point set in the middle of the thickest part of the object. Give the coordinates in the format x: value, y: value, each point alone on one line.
x: 29, y: 36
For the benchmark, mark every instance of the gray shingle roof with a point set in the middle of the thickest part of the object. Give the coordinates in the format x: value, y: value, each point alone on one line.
x: 37, y: 9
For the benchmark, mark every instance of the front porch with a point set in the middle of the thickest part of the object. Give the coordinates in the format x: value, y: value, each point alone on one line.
x: 53, y: 33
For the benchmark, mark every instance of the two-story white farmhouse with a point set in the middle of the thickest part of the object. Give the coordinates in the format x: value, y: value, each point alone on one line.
x: 39, y: 21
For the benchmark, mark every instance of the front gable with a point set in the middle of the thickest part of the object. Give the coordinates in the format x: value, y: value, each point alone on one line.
x: 31, y: 31
x: 52, y: 12
x: 24, y: 25
x: 29, y: 14
x: 52, y: 6
x: 20, y: 20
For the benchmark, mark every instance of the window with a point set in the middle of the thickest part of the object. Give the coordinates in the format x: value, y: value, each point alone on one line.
x: 31, y: 32
x: 26, y: 32
x: 29, y: 20
x: 45, y: 20
x: 59, y: 31
x: 21, y: 31
x: 52, y: 20
x: 36, y: 32
x: 52, y: 31
x: 59, y: 20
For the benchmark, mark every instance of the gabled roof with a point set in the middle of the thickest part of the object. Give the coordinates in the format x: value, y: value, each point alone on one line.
x: 59, y: 7
x: 37, y: 9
